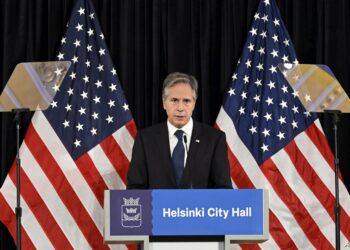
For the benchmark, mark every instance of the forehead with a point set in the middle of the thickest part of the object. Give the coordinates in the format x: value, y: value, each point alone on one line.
x: 180, y: 90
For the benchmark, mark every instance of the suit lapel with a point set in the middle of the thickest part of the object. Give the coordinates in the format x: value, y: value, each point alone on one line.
x: 163, y: 150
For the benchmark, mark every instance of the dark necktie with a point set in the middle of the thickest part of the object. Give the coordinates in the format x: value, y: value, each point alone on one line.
x: 178, y: 156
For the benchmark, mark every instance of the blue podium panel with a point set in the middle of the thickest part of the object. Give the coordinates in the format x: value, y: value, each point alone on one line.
x: 192, y: 212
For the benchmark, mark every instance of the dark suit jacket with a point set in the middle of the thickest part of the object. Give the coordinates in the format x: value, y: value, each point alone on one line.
x: 207, y: 164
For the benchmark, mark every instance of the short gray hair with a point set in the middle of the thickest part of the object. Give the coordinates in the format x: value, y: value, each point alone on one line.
x: 176, y: 78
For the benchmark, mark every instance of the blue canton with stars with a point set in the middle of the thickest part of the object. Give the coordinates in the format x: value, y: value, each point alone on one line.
x: 90, y: 104
x: 265, y: 110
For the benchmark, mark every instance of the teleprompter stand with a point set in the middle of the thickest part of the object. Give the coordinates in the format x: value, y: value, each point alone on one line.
x: 32, y: 86
x: 319, y: 91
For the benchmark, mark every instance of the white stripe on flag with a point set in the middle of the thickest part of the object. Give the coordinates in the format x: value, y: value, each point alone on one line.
x: 69, y: 168
x: 125, y: 141
x: 34, y: 231
x: 105, y: 168
x: 52, y: 200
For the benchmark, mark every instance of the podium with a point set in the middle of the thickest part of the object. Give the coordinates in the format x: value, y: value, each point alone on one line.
x: 143, y: 216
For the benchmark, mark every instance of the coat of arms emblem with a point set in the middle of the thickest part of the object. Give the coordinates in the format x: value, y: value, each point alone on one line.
x: 131, y: 213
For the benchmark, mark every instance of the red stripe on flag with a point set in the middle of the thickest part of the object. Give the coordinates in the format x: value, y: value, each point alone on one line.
x: 63, y: 188
x: 116, y: 156
x: 92, y: 177
x: 41, y: 212
x: 301, y: 215
x: 277, y: 231
x: 8, y: 217
x: 131, y: 127
x: 250, y: 246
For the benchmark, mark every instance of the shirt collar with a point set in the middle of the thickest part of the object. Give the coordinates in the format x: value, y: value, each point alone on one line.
x: 187, y: 128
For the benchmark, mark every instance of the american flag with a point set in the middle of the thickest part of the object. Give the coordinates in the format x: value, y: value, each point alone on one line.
x: 77, y: 148
x: 274, y: 143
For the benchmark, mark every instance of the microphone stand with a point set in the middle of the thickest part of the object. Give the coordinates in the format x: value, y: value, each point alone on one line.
x: 18, y: 210
x: 189, y: 169
x: 335, y: 116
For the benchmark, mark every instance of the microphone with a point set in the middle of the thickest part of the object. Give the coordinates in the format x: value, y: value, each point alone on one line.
x: 189, y: 169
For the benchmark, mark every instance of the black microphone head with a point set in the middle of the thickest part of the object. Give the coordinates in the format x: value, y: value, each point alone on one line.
x: 185, y: 139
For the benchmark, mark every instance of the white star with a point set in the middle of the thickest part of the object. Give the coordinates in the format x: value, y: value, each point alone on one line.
x: 93, y: 131
x: 53, y: 104
x: 234, y: 77
x: 261, y: 50
x: 271, y: 84
x: 283, y: 104
x: 246, y: 79
x: 282, y: 120
x: 75, y: 59
x: 102, y: 36
x: 109, y: 119
x: 269, y: 101
x: 231, y: 92
x: 92, y: 16
x: 90, y: 32
x: 258, y: 82
x: 82, y: 111
x: 68, y: 107
x: 56, y: 88
x: 79, y: 27
x: 286, y: 42
x: 95, y: 115
x: 60, y: 56
x: 70, y: 91
x: 125, y: 107
x: 253, y: 129
x: 257, y: 98
x: 100, y: 67
x: 97, y: 99
x: 267, y: 116
x: 274, y: 53
x: 73, y: 75
x: 244, y: 95
x: 88, y: 63
x: 77, y: 43
x: 77, y: 143
x: 111, y: 103
x: 89, y: 47
x: 263, y: 34
x: 285, y: 58
x: 307, y: 114
x: 241, y: 110
x: 284, y: 89
x: 256, y: 16
x: 253, y: 31
x: 254, y: 114
x: 294, y: 124
x: 113, y: 71
x: 58, y: 71
x: 275, y: 38
x: 102, y: 52
x: 276, y: 22
x: 295, y: 93
x: 84, y: 95
x: 273, y: 69
x: 295, y: 109
x: 80, y: 126
x: 280, y: 135
x: 81, y: 11
x: 248, y: 63
x: 251, y: 47
x: 65, y: 123
x: 98, y: 83
x: 260, y: 66
x: 265, y: 147
x: 267, y: 2
x: 113, y: 87
x: 266, y: 132
x: 307, y: 98
x: 86, y: 79
x: 265, y: 18
x: 63, y: 40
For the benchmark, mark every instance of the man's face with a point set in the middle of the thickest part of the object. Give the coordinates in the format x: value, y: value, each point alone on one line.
x: 179, y: 104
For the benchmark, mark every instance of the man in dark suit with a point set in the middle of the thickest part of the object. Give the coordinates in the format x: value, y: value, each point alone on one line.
x: 181, y: 152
